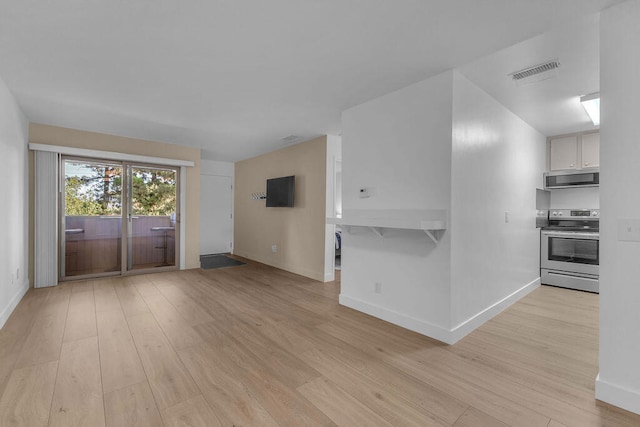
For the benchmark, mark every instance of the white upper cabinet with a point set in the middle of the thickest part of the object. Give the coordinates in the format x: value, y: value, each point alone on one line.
x: 590, y: 147
x: 580, y: 151
x: 563, y: 153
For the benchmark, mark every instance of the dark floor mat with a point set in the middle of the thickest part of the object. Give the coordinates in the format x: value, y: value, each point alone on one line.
x: 217, y: 261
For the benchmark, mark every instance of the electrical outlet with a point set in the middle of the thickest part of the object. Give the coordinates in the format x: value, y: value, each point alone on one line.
x: 364, y: 192
x: 378, y: 288
x: 274, y: 248
x: 629, y: 230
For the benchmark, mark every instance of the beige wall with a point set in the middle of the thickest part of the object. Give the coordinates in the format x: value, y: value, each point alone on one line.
x: 52, y: 135
x: 299, y: 232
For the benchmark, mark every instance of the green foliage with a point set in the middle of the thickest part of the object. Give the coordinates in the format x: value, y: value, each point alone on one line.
x: 154, y: 192
x: 96, y: 192
x: 77, y: 201
x: 99, y: 191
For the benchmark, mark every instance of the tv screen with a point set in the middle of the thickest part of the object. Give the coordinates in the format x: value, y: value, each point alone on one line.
x: 280, y: 192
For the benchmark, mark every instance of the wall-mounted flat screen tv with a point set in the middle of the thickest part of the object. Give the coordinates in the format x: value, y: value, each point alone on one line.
x: 280, y: 192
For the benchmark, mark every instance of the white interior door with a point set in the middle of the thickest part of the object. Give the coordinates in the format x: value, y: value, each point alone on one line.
x: 216, y: 223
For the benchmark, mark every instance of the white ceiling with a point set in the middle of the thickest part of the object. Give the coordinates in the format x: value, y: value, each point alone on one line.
x: 234, y: 77
x: 551, y: 106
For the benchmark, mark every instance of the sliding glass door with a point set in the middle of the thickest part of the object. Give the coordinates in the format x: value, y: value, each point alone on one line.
x: 91, y: 232
x: 151, y: 219
x: 117, y: 218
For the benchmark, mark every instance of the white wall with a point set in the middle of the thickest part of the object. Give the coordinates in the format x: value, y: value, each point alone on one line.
x: 216, y: 207
x: 14, y: 233
x: 441, y: 144
x: 497, y: 163
x: 619, y: 379
x: 575, y: 198
x: 399, y: 146
x: 211, y: 167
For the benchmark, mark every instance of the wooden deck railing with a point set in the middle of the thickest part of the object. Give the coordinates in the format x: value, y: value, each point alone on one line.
x: 93, y: 243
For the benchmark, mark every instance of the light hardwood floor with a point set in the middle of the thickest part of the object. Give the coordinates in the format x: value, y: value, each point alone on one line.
x: 253, y: 345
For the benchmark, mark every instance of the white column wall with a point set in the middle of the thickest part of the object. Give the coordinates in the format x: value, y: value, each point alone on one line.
x: 618, y: 382
x: 441, y: 144
x: 399, y: 146
x: 497, y: 164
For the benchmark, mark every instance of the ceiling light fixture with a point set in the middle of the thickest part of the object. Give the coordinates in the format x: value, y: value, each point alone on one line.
x: 591, y: 104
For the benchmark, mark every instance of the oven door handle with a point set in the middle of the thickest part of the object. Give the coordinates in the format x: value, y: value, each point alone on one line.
x: 578, y: 235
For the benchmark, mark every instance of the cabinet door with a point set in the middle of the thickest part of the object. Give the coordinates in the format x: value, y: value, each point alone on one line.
x: 591, y: 150
x: 564, y: 153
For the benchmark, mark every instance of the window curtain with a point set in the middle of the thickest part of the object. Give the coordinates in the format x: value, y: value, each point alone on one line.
x: 46, y: 219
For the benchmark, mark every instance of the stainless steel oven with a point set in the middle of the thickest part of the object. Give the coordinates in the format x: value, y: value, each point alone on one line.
x: 570, y: 250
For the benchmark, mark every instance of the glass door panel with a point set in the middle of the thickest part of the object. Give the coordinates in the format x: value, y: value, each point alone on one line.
x: 92, y: 223
x: 578, y: 251
x: 151, y: 220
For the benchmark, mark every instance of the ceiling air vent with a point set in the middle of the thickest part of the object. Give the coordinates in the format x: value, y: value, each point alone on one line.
x: 536, y: 73
x: 290, y: 139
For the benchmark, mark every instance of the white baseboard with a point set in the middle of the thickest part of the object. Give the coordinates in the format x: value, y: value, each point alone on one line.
x: 432, y: 330
x: 466, y: 327
x: 420, y: 326
x: 618, y: 396
x: 13, y: 302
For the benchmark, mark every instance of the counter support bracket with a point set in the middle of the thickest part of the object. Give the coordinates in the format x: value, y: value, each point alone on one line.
x: 376, y: 230
x: 433, y: 235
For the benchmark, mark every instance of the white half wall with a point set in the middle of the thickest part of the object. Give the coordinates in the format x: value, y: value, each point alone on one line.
x: 497, y: 163
x: 216, y: 207
x: 14, y: 233
x: 618, y: 382
x: 399, y: 147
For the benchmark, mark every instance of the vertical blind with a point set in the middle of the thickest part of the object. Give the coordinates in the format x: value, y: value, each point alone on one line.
x: 46, y: 219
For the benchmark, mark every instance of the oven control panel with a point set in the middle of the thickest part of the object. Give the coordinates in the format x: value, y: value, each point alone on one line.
x: 575, y: 214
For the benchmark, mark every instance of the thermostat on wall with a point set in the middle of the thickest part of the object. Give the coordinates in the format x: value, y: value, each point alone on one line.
x: 364, y: 192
